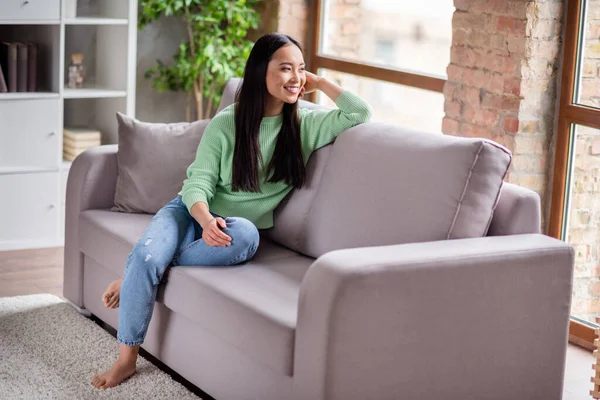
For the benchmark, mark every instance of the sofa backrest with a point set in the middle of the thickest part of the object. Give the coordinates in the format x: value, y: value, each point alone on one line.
x: 383, y: 184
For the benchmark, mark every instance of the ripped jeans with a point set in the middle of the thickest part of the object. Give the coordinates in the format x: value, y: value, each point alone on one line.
x: 173, y: 237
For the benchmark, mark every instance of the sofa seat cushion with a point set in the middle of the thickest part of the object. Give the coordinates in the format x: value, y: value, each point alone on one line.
x: 252, y: 306
x: 108, y: 236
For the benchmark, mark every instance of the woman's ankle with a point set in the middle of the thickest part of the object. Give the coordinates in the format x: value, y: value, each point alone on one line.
x: 128, y: 354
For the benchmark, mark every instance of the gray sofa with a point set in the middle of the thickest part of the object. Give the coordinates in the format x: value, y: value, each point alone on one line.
x: 405, y: 269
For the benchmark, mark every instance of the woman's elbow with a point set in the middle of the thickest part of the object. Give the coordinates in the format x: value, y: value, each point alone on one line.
x: 365, y: 114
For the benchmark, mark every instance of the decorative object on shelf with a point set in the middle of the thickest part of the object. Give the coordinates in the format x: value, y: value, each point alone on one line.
x: 215, y: 49
x: 78, y: 140
x: 70, y: 8
x: 595, y: 393
x: 76, y: 71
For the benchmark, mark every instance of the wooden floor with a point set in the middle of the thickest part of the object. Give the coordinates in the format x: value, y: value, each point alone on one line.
x: 41, y: 271
x: 31, y: 272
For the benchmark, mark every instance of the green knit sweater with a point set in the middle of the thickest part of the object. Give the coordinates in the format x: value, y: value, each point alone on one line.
x: 209, y: 176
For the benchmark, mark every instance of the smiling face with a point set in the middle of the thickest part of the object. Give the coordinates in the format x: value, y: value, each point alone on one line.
x: 285, y: 74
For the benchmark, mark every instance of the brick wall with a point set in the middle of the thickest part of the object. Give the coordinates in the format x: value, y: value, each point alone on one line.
x: 293, y: 20
x: 291, y: 17
x: 344, y: 27
x: 502, y: 82
x: 584, y: 214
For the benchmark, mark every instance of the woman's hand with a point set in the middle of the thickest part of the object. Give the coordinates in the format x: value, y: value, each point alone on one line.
x: 212, y: 234
x: 311, y: 84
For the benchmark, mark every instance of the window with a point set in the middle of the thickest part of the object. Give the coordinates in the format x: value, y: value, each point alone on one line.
x: 392, y: 53
x: 393, y: 103
x: 409, y: 35
x: 587, y: 91
x: 575, y: 213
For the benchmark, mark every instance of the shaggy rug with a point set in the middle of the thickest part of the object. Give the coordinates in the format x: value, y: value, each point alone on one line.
x: 49, y: 351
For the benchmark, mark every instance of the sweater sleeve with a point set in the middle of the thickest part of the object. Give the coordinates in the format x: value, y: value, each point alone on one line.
x: 321, y: 127
x: 203, y: 173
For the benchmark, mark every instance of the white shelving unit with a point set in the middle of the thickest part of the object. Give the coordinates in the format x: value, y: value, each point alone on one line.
x: 33, y: 173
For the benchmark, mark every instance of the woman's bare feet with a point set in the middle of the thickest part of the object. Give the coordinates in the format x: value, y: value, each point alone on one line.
x: 110, y: 298
x: 122, y: 369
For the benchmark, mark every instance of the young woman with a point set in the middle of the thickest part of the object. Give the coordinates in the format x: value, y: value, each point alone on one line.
x: 250, y: 156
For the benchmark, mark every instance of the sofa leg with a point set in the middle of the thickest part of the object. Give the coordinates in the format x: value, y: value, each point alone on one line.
x: 83, y: 311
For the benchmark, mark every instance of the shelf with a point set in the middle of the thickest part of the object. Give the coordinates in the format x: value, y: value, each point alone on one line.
x: 28, y: 95
x: 92, y: 93
x: 24, y: 169
x: 95, y: 21
x: 29, y: 22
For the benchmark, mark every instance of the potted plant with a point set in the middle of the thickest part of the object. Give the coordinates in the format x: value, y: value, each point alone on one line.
x: 215, y: 49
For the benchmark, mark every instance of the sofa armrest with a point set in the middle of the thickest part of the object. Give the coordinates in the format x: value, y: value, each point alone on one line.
x: 457, y: 319
x: 518, y: 212
x: 91, y: 185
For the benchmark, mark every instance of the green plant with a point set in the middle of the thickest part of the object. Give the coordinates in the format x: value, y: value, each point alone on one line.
x: 216, y: 48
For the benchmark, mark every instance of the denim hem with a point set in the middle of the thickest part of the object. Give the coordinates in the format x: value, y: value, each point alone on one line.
x: 130, y: 342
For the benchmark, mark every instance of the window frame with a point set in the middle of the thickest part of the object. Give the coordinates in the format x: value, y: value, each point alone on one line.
x: 374, y: 71
x: 569, y: 115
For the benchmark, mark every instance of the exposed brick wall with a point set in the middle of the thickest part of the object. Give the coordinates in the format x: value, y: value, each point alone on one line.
x: 344, y: 27
x: 293, y: 19
x: 584, y: 215
x: 502, y: 81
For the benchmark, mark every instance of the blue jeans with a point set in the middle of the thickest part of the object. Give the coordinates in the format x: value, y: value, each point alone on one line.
x: 173, y: 237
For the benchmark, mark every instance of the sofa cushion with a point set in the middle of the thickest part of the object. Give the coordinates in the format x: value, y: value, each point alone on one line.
x: 384, y: 184
x: 100, y: 230
x: 291, y: 214
x: 152, y: 162
x: 253, y: 306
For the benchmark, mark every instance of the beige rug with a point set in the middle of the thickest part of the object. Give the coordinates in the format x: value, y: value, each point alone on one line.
x: 49, y: 351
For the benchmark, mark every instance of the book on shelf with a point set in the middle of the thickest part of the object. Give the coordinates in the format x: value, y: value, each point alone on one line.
x: 81, y: 134
x: 32, y: 66
x: 8, y: 62
x: 3, y: 87
x: 80, y: 143
x: 78, y: 140
x: 22, y: 60
x: 70, y: 155
x: 18, y: 67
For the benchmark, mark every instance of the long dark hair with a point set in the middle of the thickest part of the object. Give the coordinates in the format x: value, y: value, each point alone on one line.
x: 287, y: 164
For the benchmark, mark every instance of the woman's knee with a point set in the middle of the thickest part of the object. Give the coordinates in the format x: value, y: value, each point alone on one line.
x: 242, y: 232
x: 150, y: 260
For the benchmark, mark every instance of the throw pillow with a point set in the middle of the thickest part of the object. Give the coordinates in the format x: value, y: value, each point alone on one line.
x: 152, y: 162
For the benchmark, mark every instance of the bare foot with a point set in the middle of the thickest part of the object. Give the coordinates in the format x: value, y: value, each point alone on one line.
x: 110, y: 298
x: 120, y: 371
